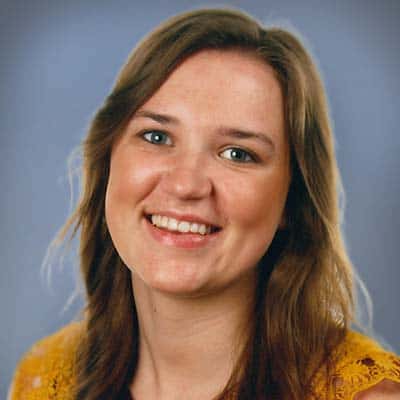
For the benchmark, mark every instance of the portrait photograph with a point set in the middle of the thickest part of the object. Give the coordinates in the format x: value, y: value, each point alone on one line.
x: 200, y: 200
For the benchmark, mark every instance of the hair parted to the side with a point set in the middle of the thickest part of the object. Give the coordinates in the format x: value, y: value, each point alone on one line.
x: 304, y: 301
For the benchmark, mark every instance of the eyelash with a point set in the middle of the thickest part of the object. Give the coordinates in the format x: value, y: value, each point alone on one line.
x: 250, y: 157
x: 160, y: 133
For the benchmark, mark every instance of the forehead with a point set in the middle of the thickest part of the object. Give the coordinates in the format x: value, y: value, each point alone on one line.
x: 231, y: 70
x: 235, y: 86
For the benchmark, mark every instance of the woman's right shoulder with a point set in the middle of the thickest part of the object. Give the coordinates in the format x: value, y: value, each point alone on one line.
x: 47, y: 369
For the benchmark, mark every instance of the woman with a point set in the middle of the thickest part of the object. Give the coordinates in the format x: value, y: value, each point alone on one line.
x: 210, y: 243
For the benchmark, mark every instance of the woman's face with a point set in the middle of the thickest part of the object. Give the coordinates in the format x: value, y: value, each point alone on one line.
x: 207, y: 154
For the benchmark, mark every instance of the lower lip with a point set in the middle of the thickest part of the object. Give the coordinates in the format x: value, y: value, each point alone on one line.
x: 182, y: 240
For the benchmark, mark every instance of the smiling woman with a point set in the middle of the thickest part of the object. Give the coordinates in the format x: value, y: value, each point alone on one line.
x: 182, y: 172
x: 210, y: 248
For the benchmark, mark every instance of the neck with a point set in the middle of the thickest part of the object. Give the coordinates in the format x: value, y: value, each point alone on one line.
x: 189, y: 345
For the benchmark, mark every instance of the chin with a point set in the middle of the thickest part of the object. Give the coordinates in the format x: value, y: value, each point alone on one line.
x: 174, y: 280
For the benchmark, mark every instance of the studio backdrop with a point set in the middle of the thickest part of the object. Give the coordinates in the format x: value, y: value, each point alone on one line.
x: 58, y: 61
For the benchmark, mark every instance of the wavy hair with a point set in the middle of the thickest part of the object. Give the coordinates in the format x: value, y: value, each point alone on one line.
x: 304, y: 299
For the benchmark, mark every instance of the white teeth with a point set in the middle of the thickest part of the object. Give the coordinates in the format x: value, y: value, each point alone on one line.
x: 172, y: 224
x: 182, y: 226
x: 194, y: 227
x: 164, y: 222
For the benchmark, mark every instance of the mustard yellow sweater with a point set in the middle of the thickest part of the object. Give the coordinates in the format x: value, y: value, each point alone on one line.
x: 47, y: 370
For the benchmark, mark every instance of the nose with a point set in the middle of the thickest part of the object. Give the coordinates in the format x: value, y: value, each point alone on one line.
x: 187, y: 179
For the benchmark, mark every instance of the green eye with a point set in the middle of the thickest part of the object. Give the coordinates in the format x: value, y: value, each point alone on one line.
x: 157, y: 137
x: 238, y: 155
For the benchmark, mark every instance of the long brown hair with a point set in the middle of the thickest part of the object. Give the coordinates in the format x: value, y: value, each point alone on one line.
x: 304, y: 300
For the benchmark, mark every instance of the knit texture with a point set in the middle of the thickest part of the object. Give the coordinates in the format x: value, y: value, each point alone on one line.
x: 46, y: 372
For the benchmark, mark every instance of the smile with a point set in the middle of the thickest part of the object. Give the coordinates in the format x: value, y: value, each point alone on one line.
x: 181, y: 226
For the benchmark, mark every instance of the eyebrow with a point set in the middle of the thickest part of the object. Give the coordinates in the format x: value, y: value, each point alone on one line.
x: 223, y: 131
x: 244, y: 134
x: 161, y: 118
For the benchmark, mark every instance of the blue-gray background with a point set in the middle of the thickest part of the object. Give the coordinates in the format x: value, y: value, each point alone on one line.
x: 58, y: 60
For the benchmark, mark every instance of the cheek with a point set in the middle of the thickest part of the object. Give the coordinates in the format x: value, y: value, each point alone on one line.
x: 255, y: 206
x: 132, y: 177
x: 255, y: 202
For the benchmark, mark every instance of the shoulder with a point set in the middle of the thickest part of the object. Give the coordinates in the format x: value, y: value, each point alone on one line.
x: 384, y: 390
x: 48, y: 367
x: 362, y: 370
x: 366, y: 370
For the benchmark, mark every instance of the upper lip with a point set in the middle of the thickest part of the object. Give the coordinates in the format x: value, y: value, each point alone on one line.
x: 184, y: 217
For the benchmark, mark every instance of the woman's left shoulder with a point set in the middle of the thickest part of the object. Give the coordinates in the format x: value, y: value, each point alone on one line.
x: 363, y: 370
